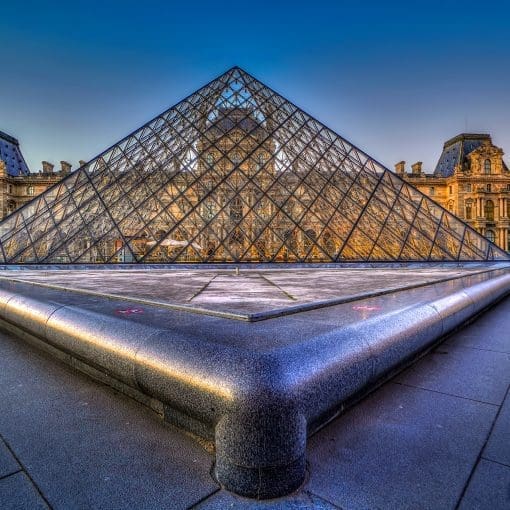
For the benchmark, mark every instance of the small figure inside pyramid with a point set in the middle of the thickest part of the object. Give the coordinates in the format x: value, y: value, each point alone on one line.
x: 235, y: 173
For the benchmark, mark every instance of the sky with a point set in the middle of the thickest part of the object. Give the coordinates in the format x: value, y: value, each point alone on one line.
x: 397, y: 79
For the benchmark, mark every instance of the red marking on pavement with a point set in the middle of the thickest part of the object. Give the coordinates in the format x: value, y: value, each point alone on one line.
x: 129, y: 311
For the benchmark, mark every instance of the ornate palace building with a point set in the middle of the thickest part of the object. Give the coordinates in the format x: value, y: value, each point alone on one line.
x: 17, y: 184
x: 472, y: 181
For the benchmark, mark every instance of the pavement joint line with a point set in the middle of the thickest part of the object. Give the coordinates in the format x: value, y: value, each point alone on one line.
x: 258, y: 316
x: 199, y: 291
x: 477, y: 348
x: 10, y: 474
x: 475, y: 465
x: 323, y: 499
x: 24, y: 470
x: 494, y: 461
x: 204, y: 499
x: 447, y: 394
x: 288, y: 294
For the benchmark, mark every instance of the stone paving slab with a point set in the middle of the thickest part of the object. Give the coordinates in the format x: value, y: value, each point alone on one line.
x: 18, y: 493
x: 224, y: 500
x: 86, y: 446
x: 457, y: 370
x: 489, y: 488
x: 498, y: 446
x: 400, y: 448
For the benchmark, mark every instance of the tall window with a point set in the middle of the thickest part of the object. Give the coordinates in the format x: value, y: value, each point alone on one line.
x: 450, y: 189
x: 489, y: 210
x: 487, y: 166
x: 236, y: 209
x: 489, y: 188
x: 468, y: 188
x: 236, y: 158
x: 432, y: 191
x: 30, y: 190
x: 469, y: 210
x: 490, y: 235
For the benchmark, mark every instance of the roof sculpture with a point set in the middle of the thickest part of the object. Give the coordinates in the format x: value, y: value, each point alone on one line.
x: 235, y: 173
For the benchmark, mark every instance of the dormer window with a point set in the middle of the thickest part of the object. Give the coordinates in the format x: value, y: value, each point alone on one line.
x: 487, y: 166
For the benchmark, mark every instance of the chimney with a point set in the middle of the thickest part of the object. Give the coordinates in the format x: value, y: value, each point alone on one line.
x: 82, y: 163
x: 416, y: 168
x: 65, y: 167
x: 400, y: 167
x: 47, y: 168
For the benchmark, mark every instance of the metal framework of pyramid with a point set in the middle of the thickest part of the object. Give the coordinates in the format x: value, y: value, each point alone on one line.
x: 235, y: 173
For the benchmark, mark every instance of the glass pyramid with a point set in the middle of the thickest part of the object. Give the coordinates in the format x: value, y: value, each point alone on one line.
x: 235, y: 173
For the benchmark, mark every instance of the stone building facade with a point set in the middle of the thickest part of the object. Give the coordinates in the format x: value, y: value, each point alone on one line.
x: 472, y: 181
x: 17, y: 184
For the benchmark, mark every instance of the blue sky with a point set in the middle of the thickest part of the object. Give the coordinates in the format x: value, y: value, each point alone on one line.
x: 395, y: 78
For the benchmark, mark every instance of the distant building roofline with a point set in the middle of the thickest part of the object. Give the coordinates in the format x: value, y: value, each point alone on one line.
x: 467, y: 136
x: 9, y: 138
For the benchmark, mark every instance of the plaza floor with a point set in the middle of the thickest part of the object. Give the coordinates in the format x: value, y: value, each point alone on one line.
x: 245, y: 292
x: 437, y: 436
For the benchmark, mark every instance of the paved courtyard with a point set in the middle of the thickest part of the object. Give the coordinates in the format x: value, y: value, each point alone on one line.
x: 436, y: 436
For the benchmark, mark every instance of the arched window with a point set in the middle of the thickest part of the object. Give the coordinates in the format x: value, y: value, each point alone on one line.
x: 469, y: 210
x: 236, y: 209
x: 309, y: 239
x: 487, y: 166
x: 490, y: 235
x: 489, y: 210
x: 329, y: 243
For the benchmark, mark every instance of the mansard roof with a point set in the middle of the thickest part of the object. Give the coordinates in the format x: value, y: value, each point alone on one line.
x: 455, y: 151
x: 10, y: 153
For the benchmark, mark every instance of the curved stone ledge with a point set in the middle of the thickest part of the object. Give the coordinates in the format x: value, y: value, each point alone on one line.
x: 258, y: 395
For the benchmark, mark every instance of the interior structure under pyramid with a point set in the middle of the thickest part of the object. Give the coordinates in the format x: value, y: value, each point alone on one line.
x: 235, y: 173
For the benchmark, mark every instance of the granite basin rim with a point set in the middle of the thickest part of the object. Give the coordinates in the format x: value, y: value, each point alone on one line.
x: 265, y: 401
